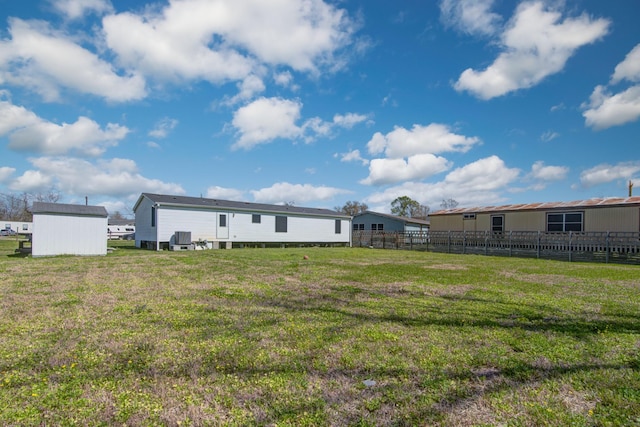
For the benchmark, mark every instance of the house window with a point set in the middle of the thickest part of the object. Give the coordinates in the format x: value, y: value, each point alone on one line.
x: 153, y: 216
x: 377, y: 227
x: 469, y: 216
x: 338, y: 226
x: 565, y: 221
x: 256, y: 219
x: 25, y: 226
x: 281, y: 224
x: 223, y: 220
x: 497, y: 223
x: 357, y: 227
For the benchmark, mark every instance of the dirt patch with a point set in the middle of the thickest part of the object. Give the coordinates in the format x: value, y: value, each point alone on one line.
x: 446, y: 267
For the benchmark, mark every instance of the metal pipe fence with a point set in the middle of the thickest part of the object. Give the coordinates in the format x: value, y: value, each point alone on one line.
x: 614, y: 247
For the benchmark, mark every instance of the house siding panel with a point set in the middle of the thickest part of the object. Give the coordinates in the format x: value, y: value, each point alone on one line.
x: 612, y: 219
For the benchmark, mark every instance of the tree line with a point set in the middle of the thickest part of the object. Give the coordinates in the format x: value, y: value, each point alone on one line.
x: 401, y: 206
x: 18, y: 207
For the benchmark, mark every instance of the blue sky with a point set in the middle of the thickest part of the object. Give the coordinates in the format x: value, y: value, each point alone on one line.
x: 320, y: 102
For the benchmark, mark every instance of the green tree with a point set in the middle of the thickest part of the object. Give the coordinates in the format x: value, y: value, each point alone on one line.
x: 406, y: 206
x: 352, y: 208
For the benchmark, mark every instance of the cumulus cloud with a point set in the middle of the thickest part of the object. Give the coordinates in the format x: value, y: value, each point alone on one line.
x: 228, y: 39
x: 353, y: 156
x: 432, y: 139
x: 604, y: 173
x: 284, y: 192
x: 415, y: 168
x: 542, y: 172
x: 28, y: 132
x: 163, y: 127
x: 606, y: 109
x: 267, y: 119
x: 222, y: 193
x: 74, y: 9
x: 473, y: 17
x: 32, y: 59
x: 535, y: 44
x: 476, y: 184
x: 5, y: 173
x: 77, y: 177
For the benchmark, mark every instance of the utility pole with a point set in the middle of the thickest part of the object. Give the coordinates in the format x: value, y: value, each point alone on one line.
x: 630, y: 188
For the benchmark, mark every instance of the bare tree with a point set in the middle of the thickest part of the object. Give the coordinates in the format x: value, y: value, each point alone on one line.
x: 449, y: 203
x: 352, y: 208
x: 17, y: 207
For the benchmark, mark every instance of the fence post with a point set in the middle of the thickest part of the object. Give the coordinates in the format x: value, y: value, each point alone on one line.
x: 449, y: 242
x: 538, y: 246
x: 510, y: 243
x: 464, y: 240
x: 606, y: 256
x: 486, y: 242
x: 570, y: 246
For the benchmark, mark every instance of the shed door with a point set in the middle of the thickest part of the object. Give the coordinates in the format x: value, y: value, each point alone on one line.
x: 222, y: 226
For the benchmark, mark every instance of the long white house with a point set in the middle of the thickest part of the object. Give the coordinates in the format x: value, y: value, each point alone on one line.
x: 179, y: 222
x: 62, y: 229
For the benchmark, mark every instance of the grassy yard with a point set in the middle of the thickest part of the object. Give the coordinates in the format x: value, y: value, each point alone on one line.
x: 346, y: 337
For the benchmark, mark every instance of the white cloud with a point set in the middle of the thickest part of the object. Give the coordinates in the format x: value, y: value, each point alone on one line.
x: 604, y: 173
x: 432, y: 139
x: 227, y: 40
x: 415, y: 168
x: 266, y: 119
x: 31, y: 181
x: 605, y: 110
x: 535, y: 45
x: 470, y: 16
x: 549, y: 136
x: 283, y: 79
x: 541, y: 172
x: 354, y: 156
x: 77, y: 177
x: 222, y: 193
x: 32, y: 59
x: 28, y: 132
x: 163, y: 127
x: 348, y: 120
x: 74, y: 9
x: 5, y: 173
x: 489, y: 173
x: 476, y: 184
x: 300, y: 194
x: 629, y: 68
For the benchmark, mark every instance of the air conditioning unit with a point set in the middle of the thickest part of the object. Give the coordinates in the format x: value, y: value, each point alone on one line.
x: 182, y: 237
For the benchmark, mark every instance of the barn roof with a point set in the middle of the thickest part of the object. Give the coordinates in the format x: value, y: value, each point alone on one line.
x: 577, y: 204
x: 404, y: 219
x: 66, y: 209
x: 185, y: 201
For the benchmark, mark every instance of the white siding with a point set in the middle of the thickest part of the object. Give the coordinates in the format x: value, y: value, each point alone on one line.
x: 68, y: 235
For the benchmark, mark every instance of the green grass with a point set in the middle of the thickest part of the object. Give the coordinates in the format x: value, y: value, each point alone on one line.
x: 265, y: 337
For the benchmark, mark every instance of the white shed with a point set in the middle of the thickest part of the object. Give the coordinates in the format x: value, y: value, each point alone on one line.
x: 165, y: 221
x: 63, y: 229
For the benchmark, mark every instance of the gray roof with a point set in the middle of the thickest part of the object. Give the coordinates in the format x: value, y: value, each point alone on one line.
x: 404, y: 219
x: 65, y: 209
x: 164, y: 199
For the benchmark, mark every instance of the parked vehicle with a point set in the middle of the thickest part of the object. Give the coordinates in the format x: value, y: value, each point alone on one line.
x: 7, y: 232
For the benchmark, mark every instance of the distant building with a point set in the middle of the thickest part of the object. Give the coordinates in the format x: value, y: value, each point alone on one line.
x: 177, y: 222
x: 602, y: 214
x: 62, y: 229
x: 375, y: 221
x: 124, y: 229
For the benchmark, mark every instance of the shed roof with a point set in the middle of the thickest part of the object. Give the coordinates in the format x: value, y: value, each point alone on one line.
x: 577, y: 204
x: 185, y: 201
x: 403, y: 219
x: 66, y: 209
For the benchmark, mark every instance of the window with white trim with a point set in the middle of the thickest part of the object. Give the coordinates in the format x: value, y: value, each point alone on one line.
x: 565, y: 221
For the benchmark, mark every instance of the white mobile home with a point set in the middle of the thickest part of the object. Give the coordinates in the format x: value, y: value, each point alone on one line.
x: 19, y: 227
x: 62, y: 229
x: 174, y: 222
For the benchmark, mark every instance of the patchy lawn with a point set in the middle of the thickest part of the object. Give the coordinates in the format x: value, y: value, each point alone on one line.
x: 345, y: 337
